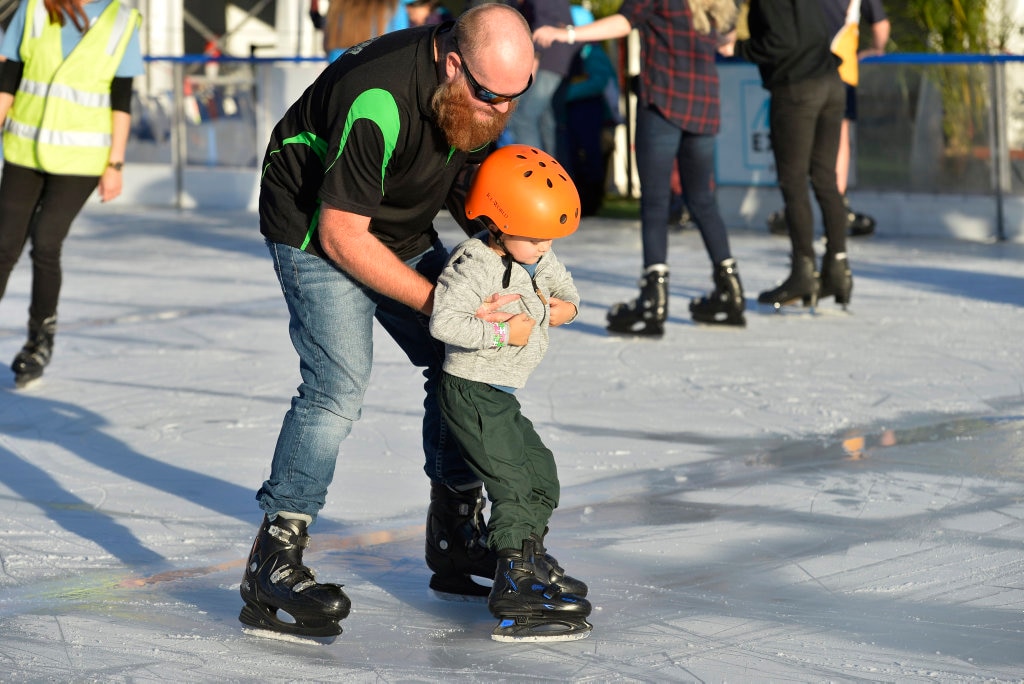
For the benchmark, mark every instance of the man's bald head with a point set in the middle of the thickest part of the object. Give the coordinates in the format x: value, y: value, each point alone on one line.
x: 497, y: 41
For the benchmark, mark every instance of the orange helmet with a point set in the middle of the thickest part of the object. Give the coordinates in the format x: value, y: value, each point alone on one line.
x: 525, y: 192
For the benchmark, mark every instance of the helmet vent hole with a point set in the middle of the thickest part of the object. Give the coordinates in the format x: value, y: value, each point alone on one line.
x: 550, y: 184
x: 563, y: 218
x: 527, y: 174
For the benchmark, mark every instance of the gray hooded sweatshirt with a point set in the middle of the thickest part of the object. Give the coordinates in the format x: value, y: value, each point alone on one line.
x: 474, y: 272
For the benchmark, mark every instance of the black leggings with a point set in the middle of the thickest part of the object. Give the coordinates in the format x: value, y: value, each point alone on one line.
x: 39, y: 206
x: 806, y: 124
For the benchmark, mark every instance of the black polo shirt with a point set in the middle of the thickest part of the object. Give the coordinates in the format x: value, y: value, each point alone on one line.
x: 362, y: 139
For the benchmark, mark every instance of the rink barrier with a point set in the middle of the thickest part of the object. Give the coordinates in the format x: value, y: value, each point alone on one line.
x: 263, y: 87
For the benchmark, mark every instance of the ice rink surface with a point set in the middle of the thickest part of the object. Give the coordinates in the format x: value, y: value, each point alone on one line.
x: 826, y: 498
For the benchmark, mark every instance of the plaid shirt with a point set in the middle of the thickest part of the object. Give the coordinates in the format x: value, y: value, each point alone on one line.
x: 679, y: 73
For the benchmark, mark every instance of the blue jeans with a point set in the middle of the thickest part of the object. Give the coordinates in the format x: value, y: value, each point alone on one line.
x: 535, y: 121
x: 331, y: 328
x: 659, y: 143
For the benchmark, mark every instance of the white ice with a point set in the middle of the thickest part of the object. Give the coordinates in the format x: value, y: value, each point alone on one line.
x: 835, y: 497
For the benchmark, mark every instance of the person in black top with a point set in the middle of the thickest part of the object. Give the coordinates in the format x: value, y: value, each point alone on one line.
x: 791, y: 47
x: 353, y: 177
x: 872, y: 14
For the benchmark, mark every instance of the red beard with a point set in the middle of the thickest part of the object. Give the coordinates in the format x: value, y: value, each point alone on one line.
x: 460, y: 119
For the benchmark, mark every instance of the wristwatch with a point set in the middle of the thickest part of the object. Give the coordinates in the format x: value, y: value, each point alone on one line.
x: 117, y: 166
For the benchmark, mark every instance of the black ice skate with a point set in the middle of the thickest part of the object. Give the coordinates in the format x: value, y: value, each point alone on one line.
x: 801, y: 286
x: 530, y: 609
x: 836, y: 278
x: 28, y: 365
x: 777, y: 223
x: 725, y: 304
x: 646, y: 314
x: 550, y: 570
x: 457, y: 544
x: 276, y: 580
x: 860, y: 225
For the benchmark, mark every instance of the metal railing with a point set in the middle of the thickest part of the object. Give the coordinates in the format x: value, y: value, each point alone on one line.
x: 915, y: 134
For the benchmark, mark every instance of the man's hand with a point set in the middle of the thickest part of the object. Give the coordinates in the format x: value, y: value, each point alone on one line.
x: 489, y: 312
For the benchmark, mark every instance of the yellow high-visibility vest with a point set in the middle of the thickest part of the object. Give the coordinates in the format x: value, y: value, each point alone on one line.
x: 61, y: 120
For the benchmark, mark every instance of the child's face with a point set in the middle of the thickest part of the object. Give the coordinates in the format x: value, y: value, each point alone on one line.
x: 525, y: 250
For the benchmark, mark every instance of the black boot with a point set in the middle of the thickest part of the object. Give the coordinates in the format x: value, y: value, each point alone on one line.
x: 28, y: 365
x: 528, y: 606
x: 457, y: 542
x: 836, y: 278
x: 275, y: 579
x: 777, y: 223
x: 725, y: 304
x: 549, y: 569
x: 647, y: 313
x: 801, y: 285
x: 857, y: 225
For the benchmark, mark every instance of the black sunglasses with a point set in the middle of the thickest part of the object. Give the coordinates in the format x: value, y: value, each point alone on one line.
x: 483, y: 94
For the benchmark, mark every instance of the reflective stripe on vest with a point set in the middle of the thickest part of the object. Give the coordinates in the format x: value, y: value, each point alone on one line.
x: 61, y: 120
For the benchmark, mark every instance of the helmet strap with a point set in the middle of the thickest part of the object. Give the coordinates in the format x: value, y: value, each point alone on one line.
x: 507, y: 259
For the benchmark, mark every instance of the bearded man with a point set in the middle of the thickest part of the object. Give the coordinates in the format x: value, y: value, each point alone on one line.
x: 354, y: 174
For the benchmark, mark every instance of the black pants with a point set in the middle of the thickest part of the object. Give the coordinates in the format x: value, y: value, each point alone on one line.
x: 38, y: 206
x: 806, y: 122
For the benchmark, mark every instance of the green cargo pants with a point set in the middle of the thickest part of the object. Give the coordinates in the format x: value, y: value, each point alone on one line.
x: 504, y: 451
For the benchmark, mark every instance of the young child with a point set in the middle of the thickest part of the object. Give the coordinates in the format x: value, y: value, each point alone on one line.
x: 524, y: 199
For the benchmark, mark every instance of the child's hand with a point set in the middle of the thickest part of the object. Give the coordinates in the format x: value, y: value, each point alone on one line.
x: 561, y: 311
x: 519, y: 328
x: 488, y: 311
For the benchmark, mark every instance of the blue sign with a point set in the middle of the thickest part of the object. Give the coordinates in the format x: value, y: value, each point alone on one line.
x: 744, y: 148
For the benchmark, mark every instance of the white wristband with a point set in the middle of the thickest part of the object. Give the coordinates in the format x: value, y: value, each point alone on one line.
x: 571, y: 31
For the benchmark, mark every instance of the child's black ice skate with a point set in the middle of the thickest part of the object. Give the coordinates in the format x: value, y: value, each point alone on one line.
x: 456, y: 548
x: 552, y: 571
x: 276, y: 580
x: 34, y: 356
x: 528, y: 607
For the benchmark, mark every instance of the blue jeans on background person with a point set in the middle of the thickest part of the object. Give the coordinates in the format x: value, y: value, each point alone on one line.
x: 331, y: 327
x: 534, y: 122
x: 659, y: 143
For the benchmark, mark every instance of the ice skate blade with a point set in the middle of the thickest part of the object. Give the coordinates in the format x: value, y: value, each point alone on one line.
x: 458, y: 588
x: 512, y: 630
x: 27, y: 381
x: 640, y: 330
x: 721, y: 321
x: 449, y: 597
x: 264, y: 618
x: 802, y: 312
x: 290, y: 638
